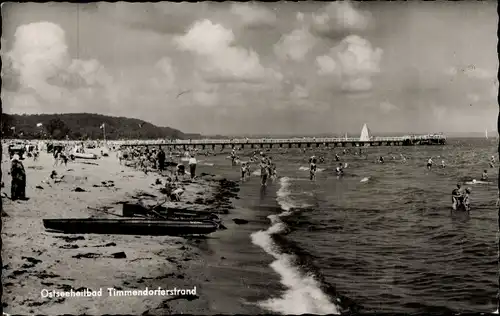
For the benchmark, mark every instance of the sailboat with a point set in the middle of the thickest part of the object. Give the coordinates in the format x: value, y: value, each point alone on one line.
x: 486, y: 133
x: 365, y: 134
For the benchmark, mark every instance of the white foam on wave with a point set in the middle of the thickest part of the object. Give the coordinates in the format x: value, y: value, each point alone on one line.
x: 307, y: 168
x: 208, y: 164
x: 303, y: 294
x: 256, y: 172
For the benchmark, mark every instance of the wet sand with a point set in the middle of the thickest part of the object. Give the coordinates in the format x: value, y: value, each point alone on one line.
x: 34, y: 259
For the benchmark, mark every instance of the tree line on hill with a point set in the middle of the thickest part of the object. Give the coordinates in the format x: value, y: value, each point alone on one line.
x: 83, y: 126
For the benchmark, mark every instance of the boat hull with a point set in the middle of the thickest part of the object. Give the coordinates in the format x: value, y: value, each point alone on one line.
x: 132, y: 210
x: 83, y: 156
x: 129, y: 226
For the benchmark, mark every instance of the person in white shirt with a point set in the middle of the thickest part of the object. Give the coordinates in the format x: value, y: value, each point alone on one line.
x: 429, y: 163
x: 192, y: 166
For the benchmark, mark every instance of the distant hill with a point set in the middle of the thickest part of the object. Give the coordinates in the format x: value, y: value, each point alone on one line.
x: 84, y: 126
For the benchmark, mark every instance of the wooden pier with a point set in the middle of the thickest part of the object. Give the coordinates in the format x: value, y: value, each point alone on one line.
x: 410, y: 140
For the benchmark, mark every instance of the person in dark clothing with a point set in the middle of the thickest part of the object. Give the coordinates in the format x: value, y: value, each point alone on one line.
x: 161, y: 159
x: 456, y: 197
x: 18, y: 184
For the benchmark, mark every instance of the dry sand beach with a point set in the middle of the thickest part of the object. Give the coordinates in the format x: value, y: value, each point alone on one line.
x: 34, y: 259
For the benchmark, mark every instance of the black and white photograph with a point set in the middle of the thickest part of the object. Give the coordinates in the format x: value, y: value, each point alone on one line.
x: 284, y: 158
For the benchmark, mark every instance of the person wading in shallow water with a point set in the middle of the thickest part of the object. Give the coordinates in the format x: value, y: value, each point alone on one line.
x: 18, y: 184
x: 263, y: 172
x: 192, y: 166
x: 456, y: 197
x: 312, y: 169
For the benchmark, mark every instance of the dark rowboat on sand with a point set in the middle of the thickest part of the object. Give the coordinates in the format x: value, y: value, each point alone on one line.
x: 130, y: 226
x: 133, y: 210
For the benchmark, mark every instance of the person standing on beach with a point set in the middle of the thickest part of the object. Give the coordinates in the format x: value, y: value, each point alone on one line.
x: 192, y: 166
x: 18, y: 184
x: 161, y: 159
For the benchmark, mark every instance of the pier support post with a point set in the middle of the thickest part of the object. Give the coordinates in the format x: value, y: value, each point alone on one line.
x: 290, y: 145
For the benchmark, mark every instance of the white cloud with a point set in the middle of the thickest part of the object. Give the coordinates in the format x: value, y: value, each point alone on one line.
x: 340, y: 18
x: 387, y: 106
x: 356, y: 61
x: 167, y: 70
x: 300, y: 16
x: 253, y: 14
x: 326, y: 65
x: 295, y: 45
x: 219, y: 59
x: 40, y: 56
x: 299, y: 92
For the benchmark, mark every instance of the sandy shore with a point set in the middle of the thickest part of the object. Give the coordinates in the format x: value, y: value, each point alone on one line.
x: 34, y: 260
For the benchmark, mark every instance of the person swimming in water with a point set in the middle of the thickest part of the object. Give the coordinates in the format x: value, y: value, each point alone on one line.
x: 337, y: 158
x: 381, y: 159
x: 312, y: 169
x: 443, y: 165
x: 484, y: 177
x: 429, y: 164
x: 340, y: 170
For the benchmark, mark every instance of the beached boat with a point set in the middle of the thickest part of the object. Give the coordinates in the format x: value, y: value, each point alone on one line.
x: 83, y: 156
x: 130, y: 226
x: 134, y: 210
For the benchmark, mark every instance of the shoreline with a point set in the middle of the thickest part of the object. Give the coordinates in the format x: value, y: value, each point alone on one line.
x: 34, y: 260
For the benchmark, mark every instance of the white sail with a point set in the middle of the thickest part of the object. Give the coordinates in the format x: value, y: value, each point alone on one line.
x: 365, y: 134
x: 486, y: 132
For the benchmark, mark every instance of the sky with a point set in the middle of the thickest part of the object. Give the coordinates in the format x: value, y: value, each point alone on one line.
x: 257, y: 67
